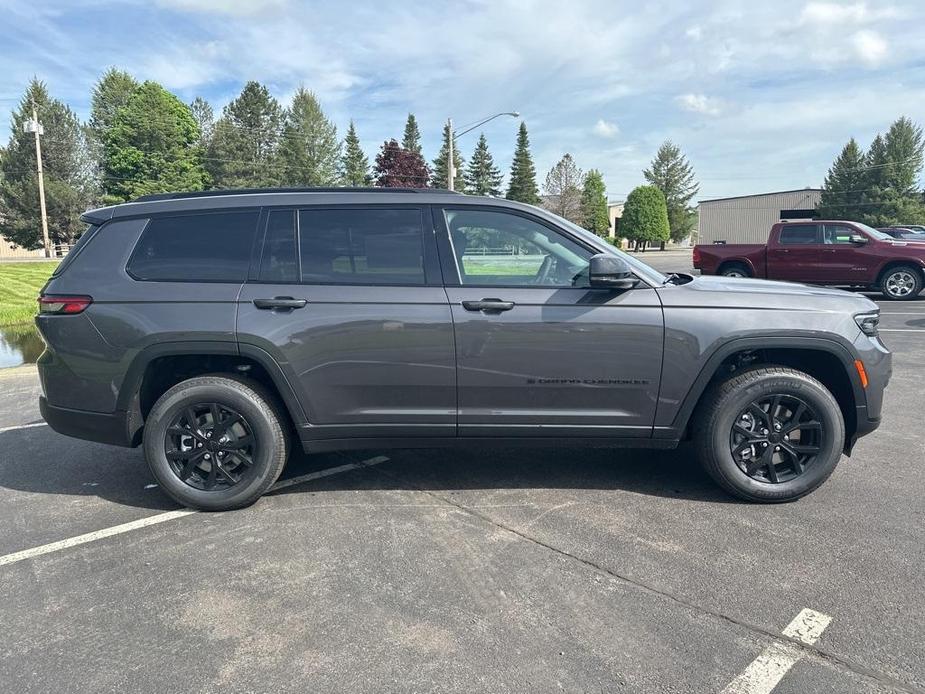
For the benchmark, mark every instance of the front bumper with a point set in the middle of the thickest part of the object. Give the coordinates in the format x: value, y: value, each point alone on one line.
x: 102, y: 427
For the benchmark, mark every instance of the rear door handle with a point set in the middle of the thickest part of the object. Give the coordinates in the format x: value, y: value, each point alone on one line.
x: 488, y: 305
x: 280, y: 302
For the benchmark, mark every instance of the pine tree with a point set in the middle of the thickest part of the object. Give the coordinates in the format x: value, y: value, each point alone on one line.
x: 205, y: 119
x: 110, y: 93
x: 152, y: 147
x: 904, y: 148
x: 412, y: 138
x: 522, y: 181
x: 645, y: 216
x: 397, y: 167
x: 354, y: 163
x: 440, y: 178
x: 482, y: 176
x: 309, y: 148
x: 893, y: 167
x: 844, y: 191
x: 67, y: 172
x: 594, y: 212
x: 672, y: 174
x: 245, y: 143
x: 563, y: 189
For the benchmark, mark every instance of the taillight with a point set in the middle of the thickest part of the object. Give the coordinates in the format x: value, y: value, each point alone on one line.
x: 63, y: 304
x: 696, y: 256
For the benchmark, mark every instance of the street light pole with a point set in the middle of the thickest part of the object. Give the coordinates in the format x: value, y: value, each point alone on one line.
x: 450, y: 170
x: 36, y: 127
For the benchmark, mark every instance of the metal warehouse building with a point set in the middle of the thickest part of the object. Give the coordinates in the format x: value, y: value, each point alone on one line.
x: 749, y: 218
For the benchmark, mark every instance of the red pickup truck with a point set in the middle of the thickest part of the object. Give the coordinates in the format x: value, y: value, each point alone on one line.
x: 823, y: 252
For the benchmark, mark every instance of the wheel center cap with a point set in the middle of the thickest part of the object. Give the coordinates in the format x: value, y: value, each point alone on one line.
x: 774, y: 437
x: 214, y: 446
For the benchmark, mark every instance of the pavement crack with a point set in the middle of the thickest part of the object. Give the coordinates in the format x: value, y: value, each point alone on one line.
x: 811, y: 651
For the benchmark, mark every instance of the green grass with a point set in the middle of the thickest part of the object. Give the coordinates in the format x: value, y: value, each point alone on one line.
x: 19, y: 288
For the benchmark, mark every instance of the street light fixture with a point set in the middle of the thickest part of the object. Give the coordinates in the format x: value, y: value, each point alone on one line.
x: 451, y: 170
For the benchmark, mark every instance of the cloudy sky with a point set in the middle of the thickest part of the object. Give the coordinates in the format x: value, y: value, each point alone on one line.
x: 761, y: 96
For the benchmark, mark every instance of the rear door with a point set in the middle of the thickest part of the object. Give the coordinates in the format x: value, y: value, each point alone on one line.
x: 539, y: 353
x: 350, y: 302
x: 796, y: 254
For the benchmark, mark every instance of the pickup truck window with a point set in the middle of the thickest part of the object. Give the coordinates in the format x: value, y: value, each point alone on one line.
x: 799, y: 234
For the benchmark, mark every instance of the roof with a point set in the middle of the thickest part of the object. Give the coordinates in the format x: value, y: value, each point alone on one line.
x: 762, y: 195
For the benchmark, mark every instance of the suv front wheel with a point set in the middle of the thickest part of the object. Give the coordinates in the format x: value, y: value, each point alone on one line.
x: 770, y: 434
x: 215, y: 443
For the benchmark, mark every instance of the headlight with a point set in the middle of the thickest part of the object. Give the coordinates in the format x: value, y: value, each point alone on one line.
x: 868, y: 323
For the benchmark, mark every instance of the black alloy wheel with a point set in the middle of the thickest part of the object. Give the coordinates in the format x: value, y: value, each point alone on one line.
x: 776, y: 438
x: 210, y: 446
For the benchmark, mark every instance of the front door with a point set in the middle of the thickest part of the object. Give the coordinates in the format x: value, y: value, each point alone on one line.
x: 538, y: 351
x: 349, y: 301
x: 845, y: 262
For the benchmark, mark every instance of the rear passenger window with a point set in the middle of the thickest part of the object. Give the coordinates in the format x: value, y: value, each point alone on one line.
x: 213, y: 247
x: 798, y: 234
x: 361, y: 246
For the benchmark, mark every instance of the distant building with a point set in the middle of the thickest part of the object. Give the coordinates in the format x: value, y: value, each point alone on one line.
x: 749, y: 218
x: 614, y: 212
x: 9, y: 250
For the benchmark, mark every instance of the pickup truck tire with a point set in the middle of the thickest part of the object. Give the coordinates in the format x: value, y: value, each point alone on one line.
x: 901, y: 283
x: 769, y: 434
x: 735, y: 270
x: 209, y: 466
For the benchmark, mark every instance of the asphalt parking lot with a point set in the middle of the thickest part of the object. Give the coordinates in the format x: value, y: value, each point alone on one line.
x: 496, y: 570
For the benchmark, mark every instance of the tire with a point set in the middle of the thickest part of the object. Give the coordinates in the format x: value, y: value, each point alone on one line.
x: 728, y: 404
x: 901, y: 283
x: 252, y: 428
x: 735, y: 270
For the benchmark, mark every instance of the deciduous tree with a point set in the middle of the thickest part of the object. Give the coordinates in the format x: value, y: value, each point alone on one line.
x: 397, y: 167
x: 594, y: 213
x: 563, y: 189
x: 645, y: 217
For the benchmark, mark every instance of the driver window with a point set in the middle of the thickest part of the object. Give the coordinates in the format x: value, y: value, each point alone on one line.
x: 837, y: 234
x: 499, y: 248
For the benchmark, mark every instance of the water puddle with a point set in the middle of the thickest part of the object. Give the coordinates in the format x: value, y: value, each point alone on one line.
x: 19, y: 344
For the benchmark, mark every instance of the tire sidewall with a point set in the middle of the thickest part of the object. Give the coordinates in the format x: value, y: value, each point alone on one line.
x: 258, y: 416
x: 740, y: 270
x: 917, y: 274
x: 833, y: 436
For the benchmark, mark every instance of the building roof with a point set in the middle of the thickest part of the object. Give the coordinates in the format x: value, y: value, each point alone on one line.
x: 762, y: 195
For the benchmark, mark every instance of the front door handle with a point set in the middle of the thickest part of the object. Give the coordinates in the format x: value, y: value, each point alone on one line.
x: 488, y: 305
x: 285, y: 302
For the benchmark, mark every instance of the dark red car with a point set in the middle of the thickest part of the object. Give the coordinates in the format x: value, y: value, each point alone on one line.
x: 823, y: 252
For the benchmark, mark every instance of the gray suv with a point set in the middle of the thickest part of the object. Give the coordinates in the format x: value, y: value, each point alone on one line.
x: 217, y: 329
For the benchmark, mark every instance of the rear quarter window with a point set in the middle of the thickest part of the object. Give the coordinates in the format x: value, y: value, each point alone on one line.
x: 207, y: 247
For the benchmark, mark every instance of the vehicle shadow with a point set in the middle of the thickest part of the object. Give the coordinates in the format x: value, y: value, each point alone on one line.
x: 671, y: 474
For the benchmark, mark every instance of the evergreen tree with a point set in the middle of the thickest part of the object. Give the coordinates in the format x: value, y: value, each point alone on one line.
x: 205, y: 119
x: 645, y: 216
x: 671, y: 173
x: 594, y: 212
x: 110, y: 93
x: 844, y: 191
x: 354, y: 164
x: 563, y: 189
x: 152, y: 147
x: 397, y: 167
x: 904, y: 148
x: 309, y: 148
x: 440, y: 178
x: 412, y: 138
x: 482, y: 176
x: 245, y: 143
x: 522, y: 181
x: 67, y: 172
x: 893, y: 167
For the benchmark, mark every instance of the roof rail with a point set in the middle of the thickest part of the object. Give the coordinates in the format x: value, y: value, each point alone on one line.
x: 250, y: 191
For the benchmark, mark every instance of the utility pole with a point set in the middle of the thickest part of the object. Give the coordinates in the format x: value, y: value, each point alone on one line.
x: 450, y: 174
x: 35, y: 127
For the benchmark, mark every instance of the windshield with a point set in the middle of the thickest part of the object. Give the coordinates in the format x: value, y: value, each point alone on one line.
x: 870, y: 231
x: 641, y: 269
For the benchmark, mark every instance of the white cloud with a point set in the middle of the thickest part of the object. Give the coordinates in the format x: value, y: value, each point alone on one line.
x: 870, y: 46
x: 695, y: 32
x: 606, y: 128
x: 830, y: 13
x: 231, y: 7
x: 700, y: 103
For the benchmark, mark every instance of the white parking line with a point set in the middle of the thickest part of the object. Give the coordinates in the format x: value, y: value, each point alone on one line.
x: 769, y: 668
x: 22, y: 555
x: 23, y: 426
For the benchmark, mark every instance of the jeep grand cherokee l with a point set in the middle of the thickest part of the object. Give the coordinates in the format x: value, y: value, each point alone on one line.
x: 219, y: 329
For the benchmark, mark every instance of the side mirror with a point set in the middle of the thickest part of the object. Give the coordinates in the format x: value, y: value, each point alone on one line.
x: 607, y: 271
x: 858, y: 239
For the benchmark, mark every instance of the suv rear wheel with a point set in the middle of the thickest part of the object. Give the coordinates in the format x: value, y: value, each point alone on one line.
x: 901, y: 283
x: 215, y: 443
x: 770, y: 434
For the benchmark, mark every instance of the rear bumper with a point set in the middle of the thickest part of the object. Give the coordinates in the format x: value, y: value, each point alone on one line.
x: 111, y: 428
